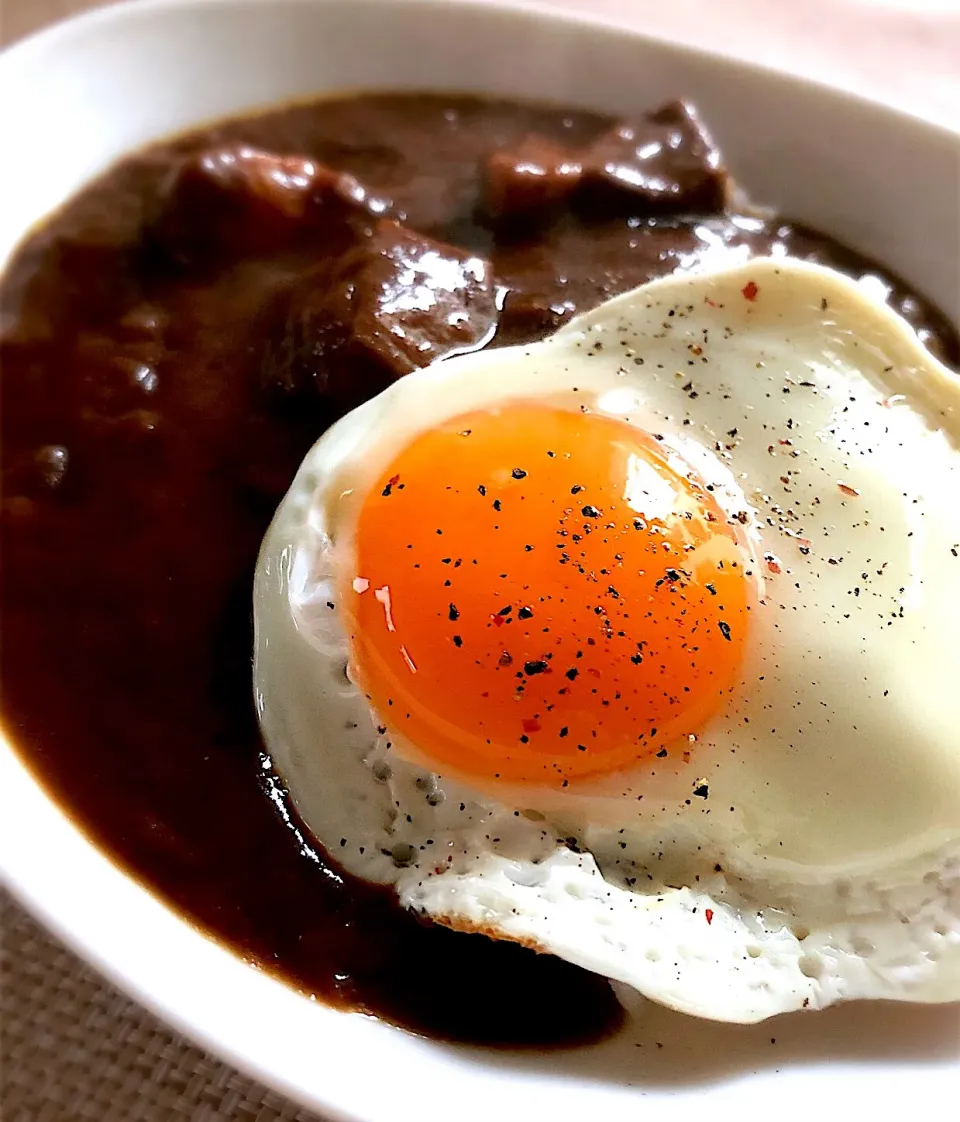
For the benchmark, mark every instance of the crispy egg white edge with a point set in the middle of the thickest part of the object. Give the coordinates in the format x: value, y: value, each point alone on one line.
x: 530, y: 888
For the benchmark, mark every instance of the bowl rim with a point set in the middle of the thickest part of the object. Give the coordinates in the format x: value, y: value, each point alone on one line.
x: 35, y: 829
x: 46, y: 37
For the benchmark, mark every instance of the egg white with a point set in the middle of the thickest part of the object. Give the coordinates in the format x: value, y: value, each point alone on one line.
x: 823, y: 864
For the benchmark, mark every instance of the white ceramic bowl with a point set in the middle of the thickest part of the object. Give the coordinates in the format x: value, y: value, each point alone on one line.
x: 88, y: 91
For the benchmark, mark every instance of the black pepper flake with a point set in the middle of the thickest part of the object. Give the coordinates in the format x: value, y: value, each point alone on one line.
x: 564, y: 731
x: 572, y: 673
x: 505, y: 611
x: 590, y: 512
x: 457, y: 641
x: 497, y: 505
x: 576, y: 489
x: 636, y: 659
x: 482, y: 489
x: 454, y: 613
x: 581, y: 747
x: 518, y: 473
x: 724, y: 629
x: 701, y: 790
x: 662, y: 754
x: 536, y: 666
x: 525, y: 613
x: 711, y: 589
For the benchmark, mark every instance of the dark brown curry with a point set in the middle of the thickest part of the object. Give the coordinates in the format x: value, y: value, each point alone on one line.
x: 173, y: 341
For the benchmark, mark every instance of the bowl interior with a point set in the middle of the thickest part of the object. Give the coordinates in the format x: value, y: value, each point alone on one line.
x: 880, y: 180
x: 883, y: 182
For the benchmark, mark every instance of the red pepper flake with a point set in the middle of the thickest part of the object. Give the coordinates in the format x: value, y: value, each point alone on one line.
x: 530, y: 724
x: 750, y: 291
x: 710, y: 303
x: 845, y: 489
x: 708, y: 913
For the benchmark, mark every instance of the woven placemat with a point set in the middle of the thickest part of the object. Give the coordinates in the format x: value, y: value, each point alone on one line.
x: 74, y: 1049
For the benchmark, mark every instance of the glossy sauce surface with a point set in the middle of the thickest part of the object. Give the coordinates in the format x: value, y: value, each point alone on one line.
x: 158, y: 395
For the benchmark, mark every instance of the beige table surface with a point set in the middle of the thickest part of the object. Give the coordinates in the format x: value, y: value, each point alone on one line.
x: 72, y: 1047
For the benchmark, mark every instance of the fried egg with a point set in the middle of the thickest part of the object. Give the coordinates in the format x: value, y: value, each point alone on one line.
x: 637, y: 645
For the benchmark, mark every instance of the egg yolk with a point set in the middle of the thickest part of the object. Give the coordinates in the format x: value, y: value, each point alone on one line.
x: 536, y: 595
